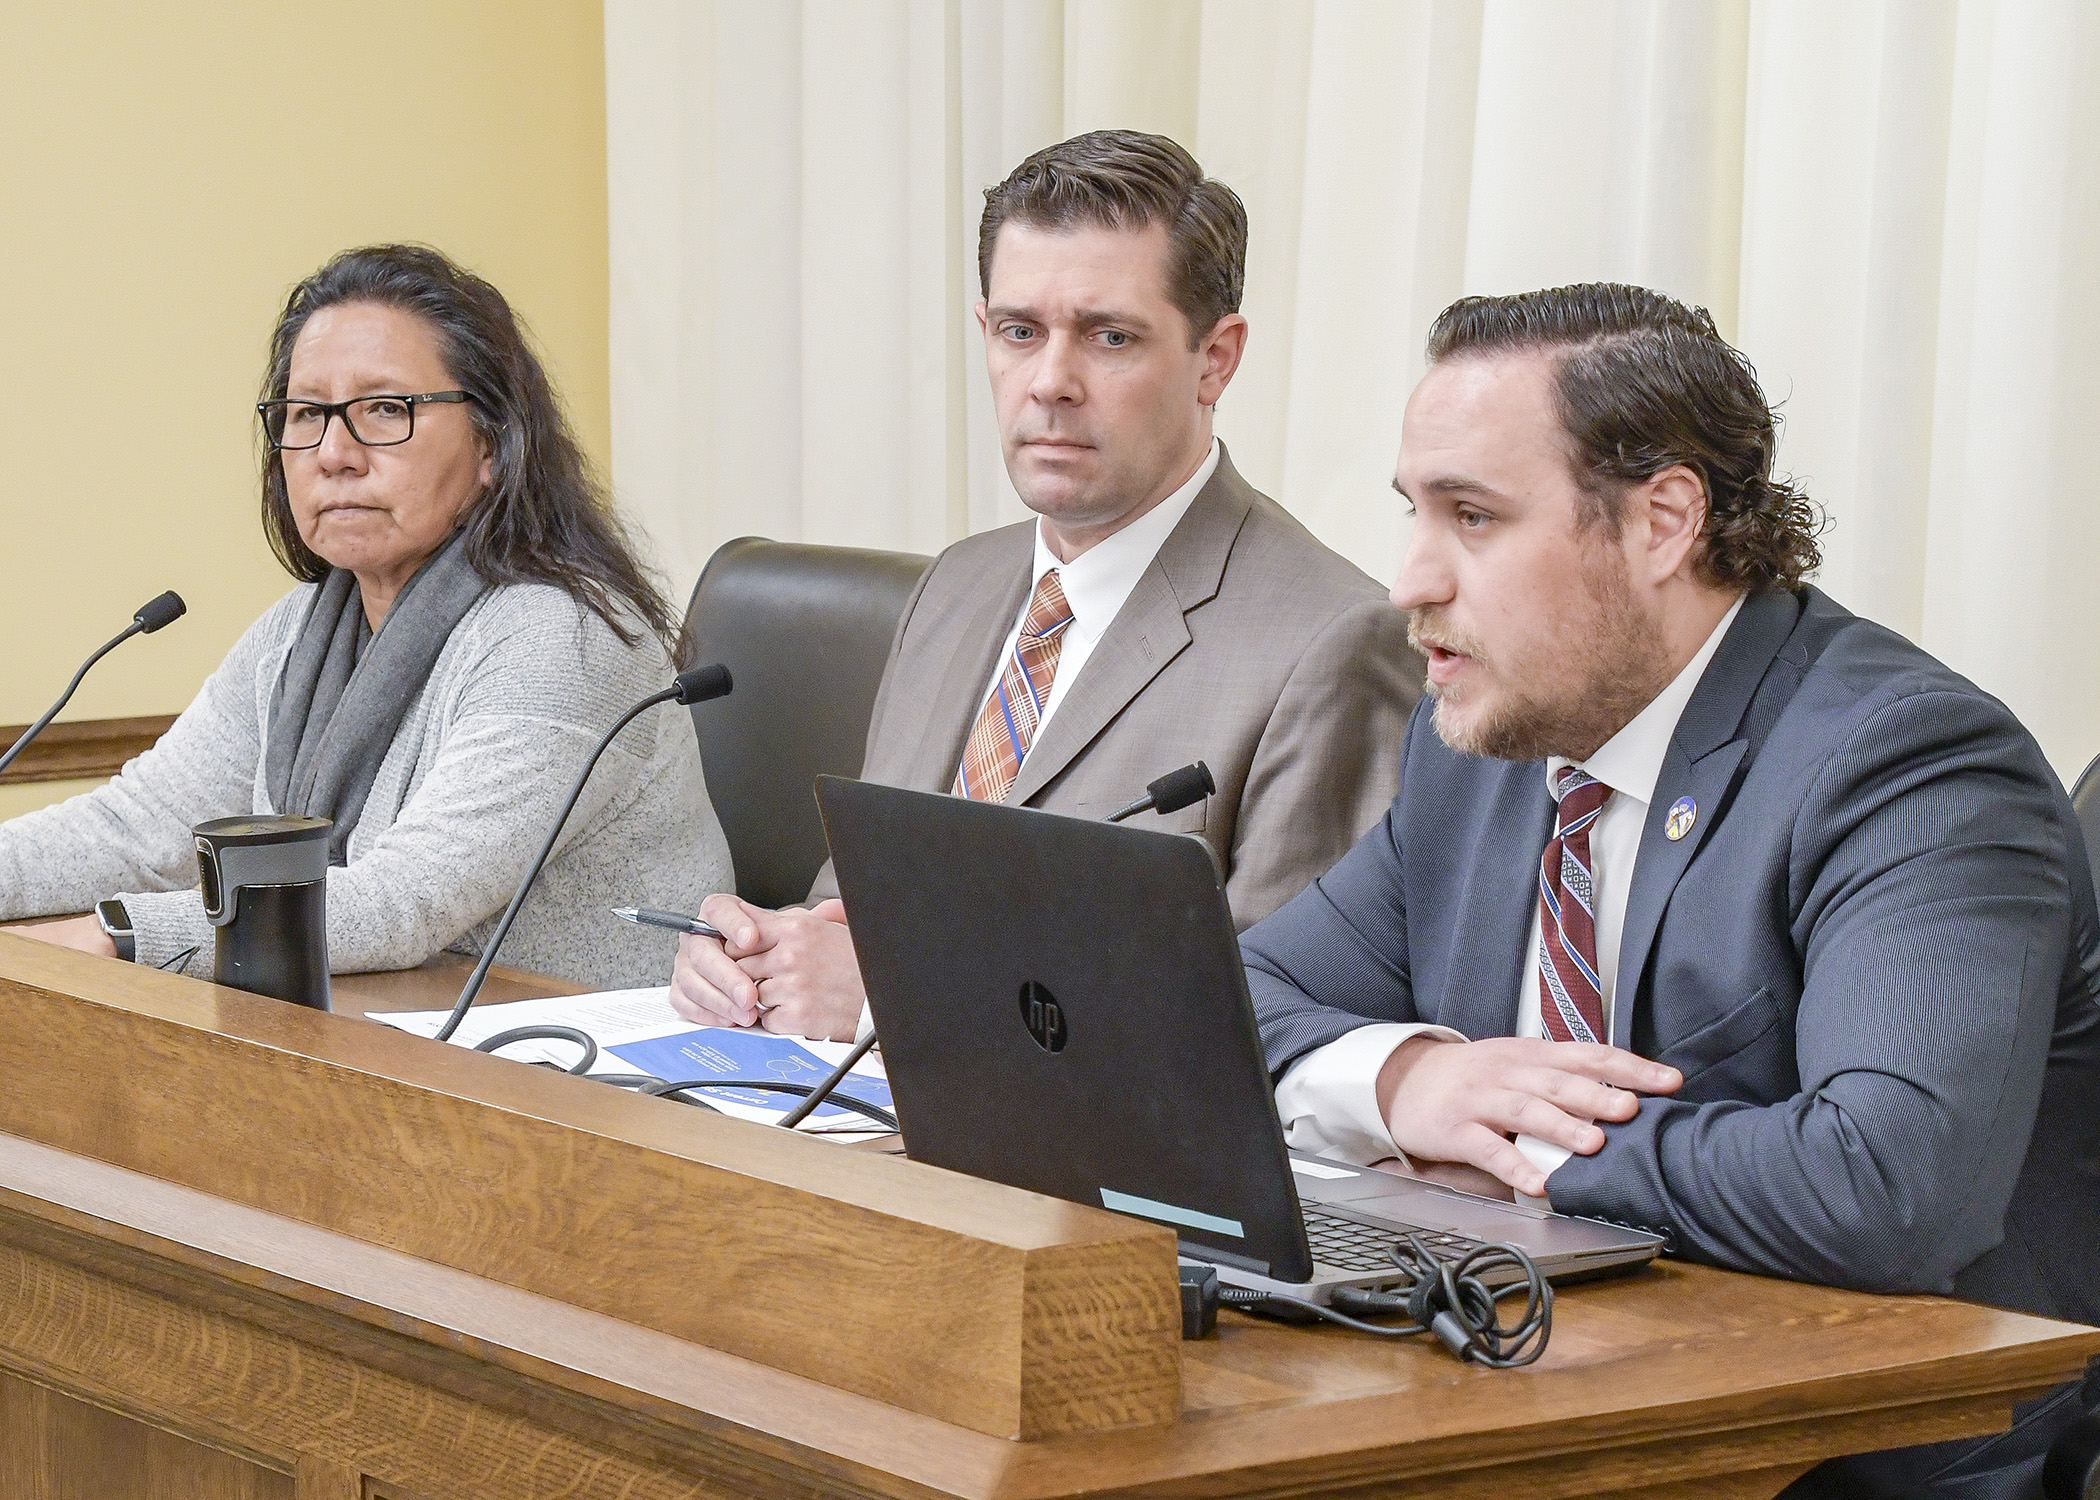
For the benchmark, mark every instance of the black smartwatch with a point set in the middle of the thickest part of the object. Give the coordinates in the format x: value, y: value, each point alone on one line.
x: 117, y: 923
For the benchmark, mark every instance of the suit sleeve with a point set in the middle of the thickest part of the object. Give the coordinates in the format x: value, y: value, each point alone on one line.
x: 1931, y: 908
x: 826, y: 886
x: 1334, y: 958
x: 1328, y: 763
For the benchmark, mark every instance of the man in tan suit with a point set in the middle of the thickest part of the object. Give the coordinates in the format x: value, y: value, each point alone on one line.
x: 1158, y: 611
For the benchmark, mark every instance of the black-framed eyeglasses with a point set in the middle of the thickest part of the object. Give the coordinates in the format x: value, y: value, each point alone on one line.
x: 375, y: 421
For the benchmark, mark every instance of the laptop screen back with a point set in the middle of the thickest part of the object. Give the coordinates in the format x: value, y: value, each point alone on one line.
x: 1062, y: 1008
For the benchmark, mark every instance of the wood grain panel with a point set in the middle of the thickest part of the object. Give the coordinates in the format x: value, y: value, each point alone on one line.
x: 81, y: 748
x: 1002, y: 1311
x: 328, y: 1353
x: 1683, y: 1376
x: 54, y: 1447
x: 235, y: 1361
x: 1762, y: 1484
x: 321, y: 1479
x: 215, y: 1371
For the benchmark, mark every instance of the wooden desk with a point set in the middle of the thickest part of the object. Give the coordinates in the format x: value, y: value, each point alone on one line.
x: 436, y: 985
x: 188, y: 1343
x: 432, y: 986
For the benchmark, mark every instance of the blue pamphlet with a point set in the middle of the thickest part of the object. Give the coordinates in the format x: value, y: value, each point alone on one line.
x: 726, y: 1052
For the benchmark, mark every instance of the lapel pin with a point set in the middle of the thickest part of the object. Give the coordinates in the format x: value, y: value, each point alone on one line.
x: 1683, y: 813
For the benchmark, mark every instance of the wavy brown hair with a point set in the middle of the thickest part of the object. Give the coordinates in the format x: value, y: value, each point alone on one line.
x: 546, y: 516
x: 1645, y: 383
x: 1126, y: 179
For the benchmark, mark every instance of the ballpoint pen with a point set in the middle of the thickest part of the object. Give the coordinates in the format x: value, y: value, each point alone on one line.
x: 669, y: 920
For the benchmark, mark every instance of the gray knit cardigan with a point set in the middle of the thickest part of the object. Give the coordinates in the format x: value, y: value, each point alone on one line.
x: 520, y: 693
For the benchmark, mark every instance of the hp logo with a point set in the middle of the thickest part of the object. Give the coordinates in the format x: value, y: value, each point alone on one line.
x: 1043, y: 1016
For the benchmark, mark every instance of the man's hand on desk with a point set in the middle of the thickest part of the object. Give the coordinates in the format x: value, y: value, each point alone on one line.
x: 1462, y: 1101
x: 84, y: 933
x: 790, y: 971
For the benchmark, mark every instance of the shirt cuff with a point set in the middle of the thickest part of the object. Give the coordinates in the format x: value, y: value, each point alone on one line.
x: 1548, y: 1158
x: 1328, y: 1099
x: 867, y: 1023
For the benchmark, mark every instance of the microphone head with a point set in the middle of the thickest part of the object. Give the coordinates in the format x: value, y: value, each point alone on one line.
x: 1178, y: 789
x: 155, y: 613
x: 698, y: 684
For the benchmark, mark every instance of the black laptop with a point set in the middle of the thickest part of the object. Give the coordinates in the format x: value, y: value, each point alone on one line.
x: 1062, y: 1008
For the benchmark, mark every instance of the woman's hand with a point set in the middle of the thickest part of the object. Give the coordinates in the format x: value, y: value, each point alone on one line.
x: 84, y: 933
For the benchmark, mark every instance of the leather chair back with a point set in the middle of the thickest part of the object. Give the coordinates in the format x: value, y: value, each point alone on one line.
x: 806, y: 632
x: 2085, y: 800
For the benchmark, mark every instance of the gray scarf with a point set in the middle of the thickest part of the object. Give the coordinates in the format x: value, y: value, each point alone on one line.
x: 345, y: 689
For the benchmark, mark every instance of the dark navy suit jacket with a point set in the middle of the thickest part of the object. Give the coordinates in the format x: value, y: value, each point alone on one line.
x: 1875, y: 957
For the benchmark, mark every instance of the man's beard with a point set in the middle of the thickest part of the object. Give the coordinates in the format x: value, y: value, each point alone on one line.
x: 1605, y: 667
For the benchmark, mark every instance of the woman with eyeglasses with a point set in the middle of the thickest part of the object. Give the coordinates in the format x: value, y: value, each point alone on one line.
x: 469, y: 619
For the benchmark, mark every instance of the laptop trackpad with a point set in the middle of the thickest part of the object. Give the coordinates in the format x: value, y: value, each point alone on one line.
x: 1331, y: 1182
x: 1452, y: 1211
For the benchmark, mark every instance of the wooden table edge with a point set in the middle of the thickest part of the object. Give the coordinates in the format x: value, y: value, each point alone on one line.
x: 439, y: 1323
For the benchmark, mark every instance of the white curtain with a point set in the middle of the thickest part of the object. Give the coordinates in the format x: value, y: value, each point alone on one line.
x: 1893, y: 206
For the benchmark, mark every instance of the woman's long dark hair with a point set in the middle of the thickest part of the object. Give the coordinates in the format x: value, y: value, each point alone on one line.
x: 546, y: 516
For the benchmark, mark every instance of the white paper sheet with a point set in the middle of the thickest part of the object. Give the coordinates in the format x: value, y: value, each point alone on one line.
x: 614, y: 1018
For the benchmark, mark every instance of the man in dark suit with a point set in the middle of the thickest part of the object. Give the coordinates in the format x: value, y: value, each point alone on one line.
x: 1159, y: 610
x: 1704, y: 905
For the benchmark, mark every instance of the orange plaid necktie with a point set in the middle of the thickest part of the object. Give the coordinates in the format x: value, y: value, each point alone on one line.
x: 1007, y: 723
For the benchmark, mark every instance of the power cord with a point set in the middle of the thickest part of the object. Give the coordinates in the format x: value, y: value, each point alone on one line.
x: 1446, y: 1298
x: 1299, y: 1310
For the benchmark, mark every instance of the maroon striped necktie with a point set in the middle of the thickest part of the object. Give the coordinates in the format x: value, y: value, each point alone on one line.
x: 1571, y: 986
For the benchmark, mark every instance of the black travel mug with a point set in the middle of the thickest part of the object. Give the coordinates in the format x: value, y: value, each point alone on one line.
x: 266, y: 893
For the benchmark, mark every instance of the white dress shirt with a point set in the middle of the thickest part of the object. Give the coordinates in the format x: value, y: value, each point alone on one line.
x: 1096, y: 583
x: 1328, y: 1099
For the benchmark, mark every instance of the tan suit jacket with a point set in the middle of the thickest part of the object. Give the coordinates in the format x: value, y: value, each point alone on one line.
x: 1246, y: 644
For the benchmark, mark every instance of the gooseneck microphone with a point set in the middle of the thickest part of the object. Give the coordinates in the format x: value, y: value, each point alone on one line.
x: 822, y: 1090
x: 151, y: 616
x: 697, y: 685
x: 1172, y: 792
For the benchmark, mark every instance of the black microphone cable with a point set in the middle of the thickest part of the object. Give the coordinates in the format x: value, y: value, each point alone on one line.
x: 581, y: 1067
x: 153, y: 615
x: 821, y: 1089
x: 679, y: 1091
x: 676, y: 1089
x: 697, y: 685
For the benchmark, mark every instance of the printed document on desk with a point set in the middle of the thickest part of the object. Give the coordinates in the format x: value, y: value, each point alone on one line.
x: 638, y: 1032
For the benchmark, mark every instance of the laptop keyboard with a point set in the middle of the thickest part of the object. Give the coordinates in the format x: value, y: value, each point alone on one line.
x: 1349, y: 1246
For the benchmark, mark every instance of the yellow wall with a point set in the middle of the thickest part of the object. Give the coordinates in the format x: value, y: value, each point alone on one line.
x: 166, y: 173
